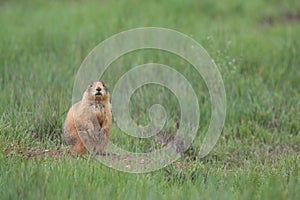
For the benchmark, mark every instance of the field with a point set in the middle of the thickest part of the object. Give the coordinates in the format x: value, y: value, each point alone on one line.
x: 255, y: 45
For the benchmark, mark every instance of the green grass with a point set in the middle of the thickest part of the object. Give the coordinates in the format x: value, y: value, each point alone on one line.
x: 255, y: 45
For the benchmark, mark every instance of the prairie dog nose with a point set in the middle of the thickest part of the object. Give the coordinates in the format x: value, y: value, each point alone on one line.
x: 98, y: 89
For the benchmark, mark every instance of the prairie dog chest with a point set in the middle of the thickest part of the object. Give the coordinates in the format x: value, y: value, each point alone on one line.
x: 99, y: 110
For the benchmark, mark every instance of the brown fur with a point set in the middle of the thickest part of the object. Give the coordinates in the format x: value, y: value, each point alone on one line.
x: 87, y: 126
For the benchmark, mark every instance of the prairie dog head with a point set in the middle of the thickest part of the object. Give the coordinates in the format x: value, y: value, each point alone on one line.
x: 96, y: 91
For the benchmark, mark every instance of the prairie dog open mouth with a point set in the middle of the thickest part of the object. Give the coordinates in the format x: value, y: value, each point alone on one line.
x: 98, y: 91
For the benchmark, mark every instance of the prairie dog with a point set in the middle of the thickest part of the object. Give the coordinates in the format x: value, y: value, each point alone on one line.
x: 87, y: 125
